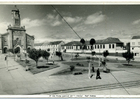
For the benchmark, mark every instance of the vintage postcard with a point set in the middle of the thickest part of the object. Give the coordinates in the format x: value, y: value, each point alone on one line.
x: 69, y: 50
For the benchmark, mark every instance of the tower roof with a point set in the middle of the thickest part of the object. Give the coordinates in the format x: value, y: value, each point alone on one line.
x: 15, y: 8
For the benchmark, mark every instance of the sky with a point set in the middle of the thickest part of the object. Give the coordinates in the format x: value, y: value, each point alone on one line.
x: 88, y: 21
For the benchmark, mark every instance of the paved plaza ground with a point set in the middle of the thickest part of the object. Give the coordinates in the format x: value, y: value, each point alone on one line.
x: 14, y: 80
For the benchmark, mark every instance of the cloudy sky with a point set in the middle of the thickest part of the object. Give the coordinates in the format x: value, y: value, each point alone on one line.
x: 89, y: 21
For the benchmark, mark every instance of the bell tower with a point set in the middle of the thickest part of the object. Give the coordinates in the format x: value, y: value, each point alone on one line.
x: 16, y: 17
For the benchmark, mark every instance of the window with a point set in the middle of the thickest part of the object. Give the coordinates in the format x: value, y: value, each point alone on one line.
x: 92, y: 47
x: 133, y: 43
x: 103, y: 46
x: 95, y: 46
x: 98, y: 47
x: 138, y: 43
x: 110, y: 46
x: 88, y: 47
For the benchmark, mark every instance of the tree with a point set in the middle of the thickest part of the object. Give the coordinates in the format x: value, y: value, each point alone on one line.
x: 35, y: 55
x: 93, y: 53
x: 128, y: 56
x: 59, y: 54
x: 82, y: 41
x: 77, y: 55
x: 45, y: 54
x: 72, y: 68
x: 105, y: 53
x: 48, y: 49
x: 92, y: 41
x: 17, y: 50
x: 83, y: 44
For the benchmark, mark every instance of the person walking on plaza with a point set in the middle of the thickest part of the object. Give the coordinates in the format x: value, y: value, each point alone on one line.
x: 98, y: 74
x: 6, y: 61
x: 93, y: 68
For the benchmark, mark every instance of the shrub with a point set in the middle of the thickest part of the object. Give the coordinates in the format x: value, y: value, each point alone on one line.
x: 72, y: 68
x: 59, y: 54
x: 77, y: 55
x: 105, y: 53
x: 128, y: 56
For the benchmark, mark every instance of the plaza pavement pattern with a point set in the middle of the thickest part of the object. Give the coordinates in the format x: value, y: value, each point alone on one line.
x: 14, y: 80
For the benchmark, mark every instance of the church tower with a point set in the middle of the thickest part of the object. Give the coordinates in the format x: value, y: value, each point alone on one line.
x: 16, y: 36
x: 16, y: 17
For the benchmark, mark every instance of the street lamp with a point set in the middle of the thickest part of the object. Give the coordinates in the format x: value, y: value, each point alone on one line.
x: 92, y: 41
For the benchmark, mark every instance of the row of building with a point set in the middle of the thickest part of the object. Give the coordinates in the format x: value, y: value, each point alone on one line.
x: 113, y: 45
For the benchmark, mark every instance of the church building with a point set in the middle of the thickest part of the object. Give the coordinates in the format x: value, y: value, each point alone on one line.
x: 16, y: 36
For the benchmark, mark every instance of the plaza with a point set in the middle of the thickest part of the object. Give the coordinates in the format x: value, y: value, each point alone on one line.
x: 16, y: 81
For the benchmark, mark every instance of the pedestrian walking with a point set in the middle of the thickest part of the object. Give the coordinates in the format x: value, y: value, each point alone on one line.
x: 6, y: 61
x: 98, y: 74
x: 5, y: 57
x: 93, y: 68
x: 91, y: 76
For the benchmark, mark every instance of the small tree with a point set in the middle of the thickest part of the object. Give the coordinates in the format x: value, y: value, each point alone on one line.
x: 77, y: 55
x: 17, y: 50
x: 128, y: 56
x: 35, y: 55
x: 92, y: 41
x: 72, y: 68
x: 45, y: 54
x: 105, y: 53
x: 93, y: 53
x: 82, y: 41
x: 83, y: 44
x: 59, y: 54
x: 48, y: 49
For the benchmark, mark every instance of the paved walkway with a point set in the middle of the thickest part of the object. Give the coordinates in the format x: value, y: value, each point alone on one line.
x: 14, y: 80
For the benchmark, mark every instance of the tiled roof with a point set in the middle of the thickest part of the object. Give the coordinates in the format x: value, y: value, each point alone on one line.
x: 74, y: 43
x: 38, y: 44
x: 54, y: 42
x: 136, y: 37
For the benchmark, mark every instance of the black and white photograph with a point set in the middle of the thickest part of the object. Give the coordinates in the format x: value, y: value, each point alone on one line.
x: 70, y: 50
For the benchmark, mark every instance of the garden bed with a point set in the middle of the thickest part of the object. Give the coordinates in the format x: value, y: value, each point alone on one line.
x: 41, y: 67
x: 69, y: 72
x: 80, y: 63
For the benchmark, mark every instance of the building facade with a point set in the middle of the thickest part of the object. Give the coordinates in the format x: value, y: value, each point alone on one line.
x: 52, y: 46
x: 113, y: 45
x: 16, y: 36
x: 135, y: 45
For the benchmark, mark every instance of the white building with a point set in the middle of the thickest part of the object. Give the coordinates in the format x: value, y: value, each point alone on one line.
x: 38, y: 45
x: 113, y: 45
x: 135, y: 45
x: 53, y: 46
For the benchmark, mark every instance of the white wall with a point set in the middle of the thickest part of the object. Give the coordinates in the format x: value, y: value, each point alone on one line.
x: 135, y: 46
